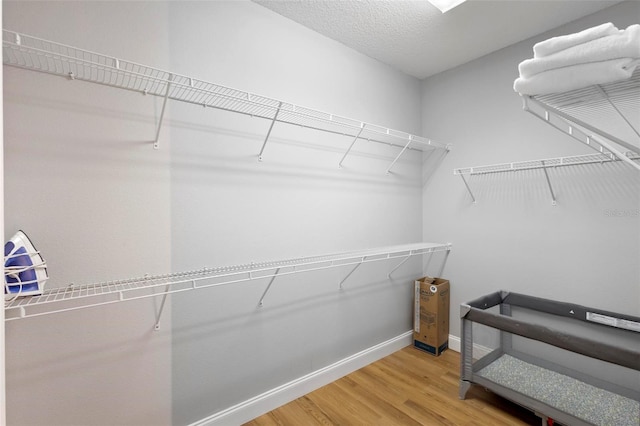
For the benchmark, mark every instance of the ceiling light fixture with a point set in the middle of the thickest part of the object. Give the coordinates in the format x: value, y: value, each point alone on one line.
x: 446, y: 5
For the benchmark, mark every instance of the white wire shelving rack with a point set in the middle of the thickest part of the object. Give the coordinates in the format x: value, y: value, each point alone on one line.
x: 549, y: 163
x: 74, y: 297
x: 604, y: 117
x: 27, y: 52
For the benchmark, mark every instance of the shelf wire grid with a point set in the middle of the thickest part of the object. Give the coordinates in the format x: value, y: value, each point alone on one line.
x: 73, y: 297
x: 543, y: 163
x: 45, y: 56
x: 611, y: 109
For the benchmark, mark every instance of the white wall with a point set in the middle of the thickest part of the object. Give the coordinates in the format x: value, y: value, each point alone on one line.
x: 97, y: 196
x: 227, y: 208
x: 513, y: 239
x: 82, y: 179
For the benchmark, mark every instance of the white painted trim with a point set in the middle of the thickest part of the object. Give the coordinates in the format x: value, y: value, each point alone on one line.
x: 274, y: 398
x: 478, y: 350
x: 454, y: 343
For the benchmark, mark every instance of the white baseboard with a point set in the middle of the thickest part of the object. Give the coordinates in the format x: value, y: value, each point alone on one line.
x: 478, y: 350
x: 454, y: 343
x: 274, y: 398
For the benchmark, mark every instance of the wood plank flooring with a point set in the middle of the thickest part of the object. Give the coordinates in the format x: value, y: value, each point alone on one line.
x: 409, y: 387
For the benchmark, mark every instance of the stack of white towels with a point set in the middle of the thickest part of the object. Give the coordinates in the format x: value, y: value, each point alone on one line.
x: 597, y: 55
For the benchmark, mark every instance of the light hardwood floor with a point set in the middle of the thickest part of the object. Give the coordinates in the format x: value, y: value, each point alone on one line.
x: 409, y: 387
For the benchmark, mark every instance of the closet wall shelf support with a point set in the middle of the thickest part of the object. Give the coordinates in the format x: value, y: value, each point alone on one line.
x: 546, y: 175
x: 156, y: 143
x: 466, y: 184
x: 159, y: 316
x: 266, y: 290
x: 74, y: 297
x: 399, y: 155
x: 398, y: 265
x: 351, y: 146
x: 264, y: 144
x: 605, y: 95
x: 443, y: 264
x: 35, y: 54
x: 351, y: 272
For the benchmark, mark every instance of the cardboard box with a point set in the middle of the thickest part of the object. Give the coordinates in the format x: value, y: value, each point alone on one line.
x: 431, y: 315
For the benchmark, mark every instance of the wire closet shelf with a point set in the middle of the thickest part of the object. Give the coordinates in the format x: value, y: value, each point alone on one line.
x: 574, y: 160
x: 604, y: 117
x: 74, y: 297
x: 24, y: 51
x: 598, y: 116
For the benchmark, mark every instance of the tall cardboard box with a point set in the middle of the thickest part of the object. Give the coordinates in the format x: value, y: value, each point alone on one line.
x: 431, y: 315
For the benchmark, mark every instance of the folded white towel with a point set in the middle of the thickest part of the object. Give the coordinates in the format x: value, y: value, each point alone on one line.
x: 556, y: 44
x: 625, y: 44
x: 576, y: 77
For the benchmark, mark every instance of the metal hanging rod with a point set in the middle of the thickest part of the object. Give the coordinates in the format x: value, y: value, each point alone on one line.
x: 24, y: 51
x: 74, y: 297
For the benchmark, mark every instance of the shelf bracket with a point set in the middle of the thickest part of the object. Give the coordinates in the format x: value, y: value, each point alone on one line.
x: 400, y: 154
x: 468, y: 188
x: 444, y: 262
x: 546, y: 175
x: 275, y: 118
x: 399, y: 264
x: 156, y: 143
x: 352, y: 271
x: 351, y: 146
x: 614, y: 106
x: 426, y: 266
x: 159, y: 316
x: 266, y: 290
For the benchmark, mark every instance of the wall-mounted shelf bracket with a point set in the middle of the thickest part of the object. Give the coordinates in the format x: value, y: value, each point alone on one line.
x: 444, y: 263
x: 400, y: 154
x: 352, y: 271
x: 466, y: 184
x: 400, y: 264
x: 156, y: 143
x: 604, y: 94
x: 351, y: 146
x: 546, y: 175
x: 430, y: 253
x: 159, y: 316
x: 275, y: 118
x: 266, y: 290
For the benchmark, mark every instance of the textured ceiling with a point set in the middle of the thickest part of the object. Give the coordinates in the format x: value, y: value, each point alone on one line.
x: 416, y: 38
